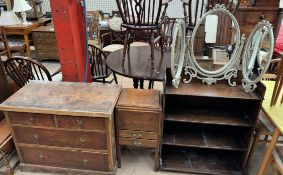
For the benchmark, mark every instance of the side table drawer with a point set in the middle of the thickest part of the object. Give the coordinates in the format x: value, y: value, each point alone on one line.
x: 135, y: 120
x: 75, y: 139
x: 138, y: 142
x: 138, y: 134
x: 31, y: 119
x: 64, y: 158
x: 71, y: 122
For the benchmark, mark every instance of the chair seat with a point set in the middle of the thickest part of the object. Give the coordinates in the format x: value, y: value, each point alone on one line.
x: 139, y: 44
x: 112, y: 48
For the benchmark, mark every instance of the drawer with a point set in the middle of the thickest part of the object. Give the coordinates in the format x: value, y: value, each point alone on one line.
x: 64, y: 158
x: 138, y: 134
x: 31, y: 119
x: 254, y: 16
x: 141, y: 121
x: 138, y: 142
x: 70, y: 122
x: 64, y: 138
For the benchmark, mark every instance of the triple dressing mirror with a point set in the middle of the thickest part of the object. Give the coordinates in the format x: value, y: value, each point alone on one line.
x: 214, y: 50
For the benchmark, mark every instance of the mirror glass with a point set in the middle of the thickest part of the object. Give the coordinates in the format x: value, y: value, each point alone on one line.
x: 258, y: 53
x: 214, y: 41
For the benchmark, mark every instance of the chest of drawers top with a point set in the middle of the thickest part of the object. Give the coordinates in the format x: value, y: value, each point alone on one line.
x: 64, y: 98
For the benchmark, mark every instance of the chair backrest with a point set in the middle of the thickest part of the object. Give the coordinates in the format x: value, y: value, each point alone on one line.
x: 272, y: 70
x: 138, y: 13
x: 166, y: 30
x: 98, y: 65
x: 194, y: 9
x: 22, y: 70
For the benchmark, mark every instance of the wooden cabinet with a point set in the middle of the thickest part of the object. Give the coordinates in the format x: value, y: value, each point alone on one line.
x: 138, y: 120
x: 208, y: 129
x: 44, y: 40
x: 4, y: 92
x: 61, y: 127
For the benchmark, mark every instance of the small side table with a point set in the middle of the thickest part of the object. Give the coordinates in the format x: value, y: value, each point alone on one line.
x: 139, y: 120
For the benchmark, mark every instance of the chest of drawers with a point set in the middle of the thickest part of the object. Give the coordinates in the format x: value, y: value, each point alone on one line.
x: 64, y: 128
x: 138, y: 120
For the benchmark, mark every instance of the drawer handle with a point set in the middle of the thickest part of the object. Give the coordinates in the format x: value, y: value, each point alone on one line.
x: 137, y: 143
x: 137, y: 135
x: 80, y: 123
x: 83, y: 141
x: 36, y: 137
x: 41, y: 157
x: 85, y: 162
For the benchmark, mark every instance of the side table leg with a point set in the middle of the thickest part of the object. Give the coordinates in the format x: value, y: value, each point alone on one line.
x: 27, y: 45
x: 269, y: 152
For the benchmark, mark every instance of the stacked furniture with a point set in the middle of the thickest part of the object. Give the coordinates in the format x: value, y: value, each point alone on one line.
x: 208, y: 129
x: 138, y: 120
x: 64, y: 127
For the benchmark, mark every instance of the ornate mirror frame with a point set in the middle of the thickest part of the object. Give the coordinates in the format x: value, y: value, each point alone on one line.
x: 229, y: 70
x: 249, y: 60
x: 178, y: 51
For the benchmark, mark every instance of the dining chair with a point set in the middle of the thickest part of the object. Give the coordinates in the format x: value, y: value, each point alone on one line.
x: 22, y: 70
x: 278, y: 82
x: 99, y: 69
x: 141, y: 19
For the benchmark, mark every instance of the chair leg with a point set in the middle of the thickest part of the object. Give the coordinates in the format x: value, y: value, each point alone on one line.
x: 126, y: 40
x: 103, y: 80
x: 255, y: 141
x: 115, y: 78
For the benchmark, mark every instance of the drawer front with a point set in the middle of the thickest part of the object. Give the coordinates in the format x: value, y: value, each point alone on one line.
x: 81, y: 123
x: 141, y: 121
x: 138, y: 142
x: 64, y: 158
x: 138, y: 134
x: 31, y: 119
x: 75, y: 139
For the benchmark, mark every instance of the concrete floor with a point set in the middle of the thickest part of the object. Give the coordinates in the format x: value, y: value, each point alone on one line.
x: 138, y: 162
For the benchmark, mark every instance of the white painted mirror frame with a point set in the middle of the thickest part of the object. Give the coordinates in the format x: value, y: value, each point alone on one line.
x: 247, y: 83
x: 178, y: 52
x: 229, y: 70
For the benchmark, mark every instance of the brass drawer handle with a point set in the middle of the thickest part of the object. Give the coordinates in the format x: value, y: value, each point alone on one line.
x: 36, y: 137
x: 41, y: 157
x: 137, y: 143
x: 80, y: 123
x: 31, y: 119
x: 85, y: 162
x: 83, y: 141
x: 137, y: 135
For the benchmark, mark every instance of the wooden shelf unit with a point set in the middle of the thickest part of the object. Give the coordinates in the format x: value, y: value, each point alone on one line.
x: 208, y: 129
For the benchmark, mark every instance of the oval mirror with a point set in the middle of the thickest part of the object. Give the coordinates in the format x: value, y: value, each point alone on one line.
x: 215, y: 46
x: 257, y: 55
x: 178, y: 52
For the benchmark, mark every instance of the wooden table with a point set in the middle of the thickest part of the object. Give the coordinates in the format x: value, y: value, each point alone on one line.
x: 275, y: 113
x: 25, y: 30
x: 138, y: 65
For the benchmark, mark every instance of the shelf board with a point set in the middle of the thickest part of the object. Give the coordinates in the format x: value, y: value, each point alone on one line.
x: 204, y: 139
x: 207, y: 116
x: 195, y: 161
x: 213, y: 91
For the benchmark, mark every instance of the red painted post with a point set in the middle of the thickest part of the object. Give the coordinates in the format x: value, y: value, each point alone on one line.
x: 69, y: 25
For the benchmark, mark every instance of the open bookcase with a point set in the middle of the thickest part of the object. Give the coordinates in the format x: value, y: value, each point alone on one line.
x: 208, y: 129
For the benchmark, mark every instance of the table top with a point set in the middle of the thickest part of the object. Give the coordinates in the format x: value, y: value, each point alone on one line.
x: 275, y: 113
x: 32, y: 24
x: 64, y: 98
x: 139, y: 98
x: 138, y: 63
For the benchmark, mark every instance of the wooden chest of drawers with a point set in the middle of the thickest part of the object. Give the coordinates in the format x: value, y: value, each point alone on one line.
x: 44, y: 40
x: 138, y: 120
x: 64, y: 128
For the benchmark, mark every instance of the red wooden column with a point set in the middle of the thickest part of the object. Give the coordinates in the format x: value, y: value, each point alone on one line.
x: 69, y: 25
